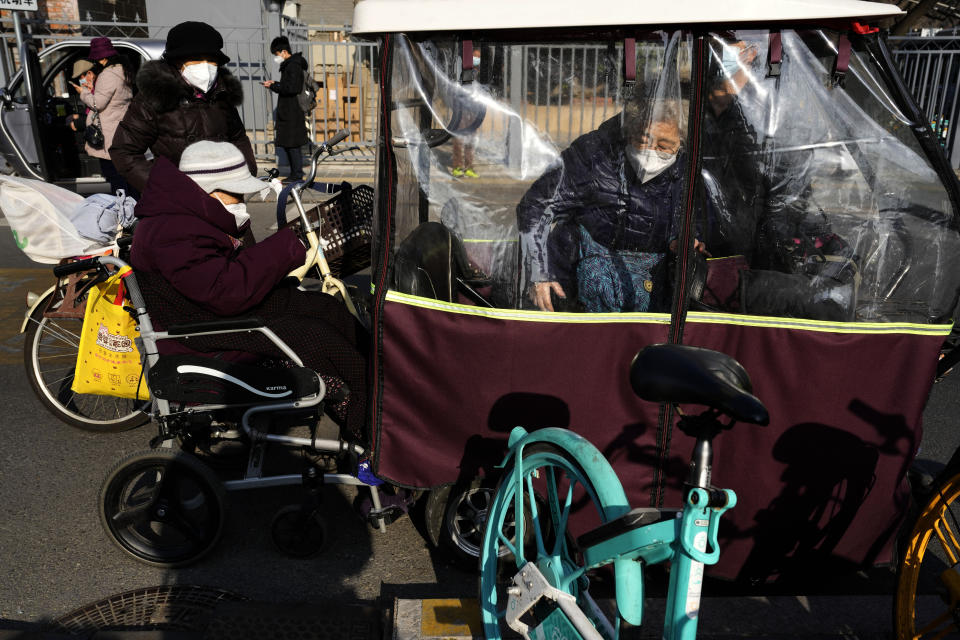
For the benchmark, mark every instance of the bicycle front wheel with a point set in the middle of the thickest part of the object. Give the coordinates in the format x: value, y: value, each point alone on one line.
x: 928, y: 577
x: 550, y: 487
x: 50, y: 357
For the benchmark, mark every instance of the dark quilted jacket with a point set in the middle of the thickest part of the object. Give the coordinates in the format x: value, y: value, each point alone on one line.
x: 585, y: 188
x: 167, y: 115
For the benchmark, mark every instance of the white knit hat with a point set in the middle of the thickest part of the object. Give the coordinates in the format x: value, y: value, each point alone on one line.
x: 219, y: 166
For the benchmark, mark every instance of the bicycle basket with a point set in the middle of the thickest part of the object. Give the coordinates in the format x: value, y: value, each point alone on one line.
x: 347, y: 230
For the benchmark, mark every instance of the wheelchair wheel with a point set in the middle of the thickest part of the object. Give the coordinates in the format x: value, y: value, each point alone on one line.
x: 928, y: 575
x: 50, y: 355
x: 553, y: 485
x: 297, y: 533
x: 163, y: 507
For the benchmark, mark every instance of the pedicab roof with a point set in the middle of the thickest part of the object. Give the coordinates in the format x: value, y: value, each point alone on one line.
x: 391, y: 16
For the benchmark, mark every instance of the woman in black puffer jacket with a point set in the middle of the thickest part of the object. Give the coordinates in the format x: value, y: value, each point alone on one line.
x: 186, y: 97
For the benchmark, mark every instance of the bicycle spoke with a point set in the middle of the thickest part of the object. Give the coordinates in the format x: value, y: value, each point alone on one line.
x: 535, y: 518
x: 58, y: 381
x: 947, y: 539
x: 519, y: 525
x: 63, y: 334
x: 508, y: 544
x: 945, y: 617
x: 564, y: 516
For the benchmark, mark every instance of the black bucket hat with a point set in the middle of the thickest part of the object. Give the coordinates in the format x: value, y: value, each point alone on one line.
x: 190, y: 39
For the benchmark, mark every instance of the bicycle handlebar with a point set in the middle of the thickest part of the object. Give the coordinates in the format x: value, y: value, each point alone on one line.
x: 337, y: 138
x: 325, y: 146
x: 64, y: 270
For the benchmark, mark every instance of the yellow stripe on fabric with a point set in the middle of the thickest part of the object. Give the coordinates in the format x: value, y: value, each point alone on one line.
x: 527, y: 316
x: 819, y: 325
x: 866, y: 328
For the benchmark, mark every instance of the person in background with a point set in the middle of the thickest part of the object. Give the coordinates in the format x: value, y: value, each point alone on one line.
x: 187, y: 246
x: 185, y: 97
x: 291, y: 128
x: 109, y: 98
x: 462, y: 159
x: 81, y: 75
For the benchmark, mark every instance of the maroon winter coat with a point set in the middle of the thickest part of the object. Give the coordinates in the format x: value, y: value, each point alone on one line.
x: 190, y: 239
x: 190, y: 269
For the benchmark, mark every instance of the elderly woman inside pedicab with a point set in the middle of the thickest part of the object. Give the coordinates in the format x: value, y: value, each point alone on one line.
x: 193, y: 265
x: 596, y: 228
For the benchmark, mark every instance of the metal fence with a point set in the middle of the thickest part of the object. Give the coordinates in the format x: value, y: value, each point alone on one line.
x: 931, y: 70
x: 345, y: 70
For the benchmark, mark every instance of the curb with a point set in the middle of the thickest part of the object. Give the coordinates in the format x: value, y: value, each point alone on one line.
x: 723, y: 618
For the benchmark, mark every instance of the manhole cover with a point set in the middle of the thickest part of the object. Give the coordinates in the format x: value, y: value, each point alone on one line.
x: 167, y: 607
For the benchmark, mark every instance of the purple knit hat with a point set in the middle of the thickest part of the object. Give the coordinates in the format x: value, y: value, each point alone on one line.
x: 101, y: 48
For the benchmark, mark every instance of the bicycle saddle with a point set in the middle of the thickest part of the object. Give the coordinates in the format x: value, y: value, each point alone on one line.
x: 681, y: 374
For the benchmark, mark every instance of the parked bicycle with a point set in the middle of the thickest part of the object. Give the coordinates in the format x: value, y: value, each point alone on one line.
x: 927, y: 597
x: 529, y: 538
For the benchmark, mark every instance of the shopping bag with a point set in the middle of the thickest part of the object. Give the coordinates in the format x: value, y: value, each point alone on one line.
x: 108, y: 362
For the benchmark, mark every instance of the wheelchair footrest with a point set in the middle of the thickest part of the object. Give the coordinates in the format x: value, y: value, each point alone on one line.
x: 210, y: 381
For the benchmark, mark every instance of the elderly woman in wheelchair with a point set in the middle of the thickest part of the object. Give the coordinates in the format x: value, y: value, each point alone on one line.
x: 195, y: 260
x: 238, y: 357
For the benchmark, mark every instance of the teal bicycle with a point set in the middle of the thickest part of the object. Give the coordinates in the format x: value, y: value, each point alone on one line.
x: 535, y: 576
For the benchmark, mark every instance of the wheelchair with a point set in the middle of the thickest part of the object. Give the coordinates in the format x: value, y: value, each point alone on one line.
x: 166, y: 506
x: 218, y: 419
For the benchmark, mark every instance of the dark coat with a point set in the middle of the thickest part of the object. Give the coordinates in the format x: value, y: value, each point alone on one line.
x: 590, y: 186
x: 189, y: 238
x: 290, y: 123
x: 168, y: 114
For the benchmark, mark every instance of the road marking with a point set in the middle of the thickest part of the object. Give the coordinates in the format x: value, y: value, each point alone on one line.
x: 433, y: 619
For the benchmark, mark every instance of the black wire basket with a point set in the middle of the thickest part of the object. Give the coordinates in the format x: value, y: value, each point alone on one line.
x: 347, y: 229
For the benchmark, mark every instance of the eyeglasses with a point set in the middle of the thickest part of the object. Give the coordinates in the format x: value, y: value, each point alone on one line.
x: 664, y: 146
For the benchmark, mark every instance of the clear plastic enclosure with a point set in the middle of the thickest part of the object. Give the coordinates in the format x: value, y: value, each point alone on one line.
x: 562, y: 168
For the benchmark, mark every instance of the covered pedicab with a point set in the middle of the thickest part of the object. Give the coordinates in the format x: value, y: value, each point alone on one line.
x: 750, y: 177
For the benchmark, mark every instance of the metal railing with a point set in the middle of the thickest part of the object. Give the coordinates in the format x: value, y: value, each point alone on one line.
x: 931, y: 69
x: 345, y: 69
x: 349, y: 93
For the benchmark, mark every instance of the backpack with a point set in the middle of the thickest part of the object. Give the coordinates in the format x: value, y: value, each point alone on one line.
x: 307, y: 99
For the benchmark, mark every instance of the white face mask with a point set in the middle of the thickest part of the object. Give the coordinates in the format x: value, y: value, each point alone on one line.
x: 730, y: 61
x: 278, y: 59
x: 83, y: 82
x: 201, y: 75
x: 649, y: 163
x: 476, y: 62
x: 239, y: 211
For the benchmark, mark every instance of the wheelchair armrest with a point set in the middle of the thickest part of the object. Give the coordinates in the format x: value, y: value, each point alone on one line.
x: 227, y: 324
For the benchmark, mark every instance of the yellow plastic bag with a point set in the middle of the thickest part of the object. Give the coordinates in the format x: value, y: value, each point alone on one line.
x: 108, y: 362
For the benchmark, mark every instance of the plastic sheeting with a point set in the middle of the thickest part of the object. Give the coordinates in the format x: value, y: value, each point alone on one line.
x: 40, y: 214
x: 815, y: 178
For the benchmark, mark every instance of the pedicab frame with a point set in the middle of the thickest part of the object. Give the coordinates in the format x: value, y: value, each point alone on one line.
x: 824, y: 486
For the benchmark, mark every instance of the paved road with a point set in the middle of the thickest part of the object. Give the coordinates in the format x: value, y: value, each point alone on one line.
x: 54, y: 556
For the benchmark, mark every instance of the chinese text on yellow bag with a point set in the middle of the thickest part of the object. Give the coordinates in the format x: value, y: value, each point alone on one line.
x: 108, y: 362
